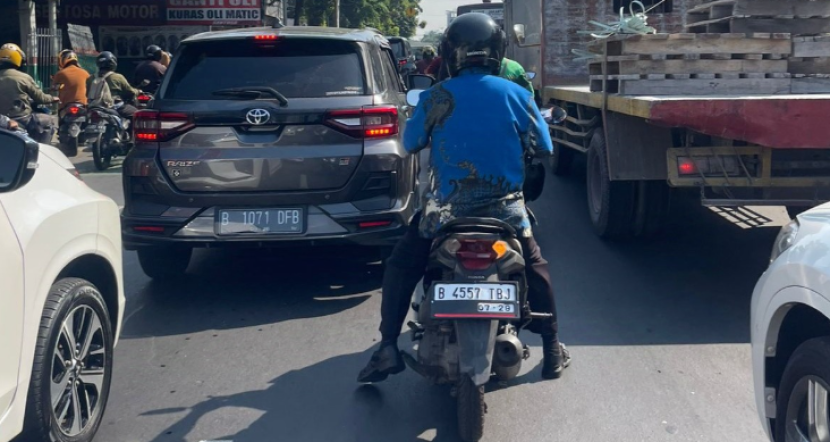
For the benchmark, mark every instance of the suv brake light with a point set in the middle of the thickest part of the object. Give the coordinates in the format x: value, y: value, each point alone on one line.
x: 368, y: 122
x: 155, y: 126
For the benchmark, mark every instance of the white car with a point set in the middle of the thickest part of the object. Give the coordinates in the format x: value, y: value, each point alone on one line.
x: 63, y: 299
x: 791, y: 332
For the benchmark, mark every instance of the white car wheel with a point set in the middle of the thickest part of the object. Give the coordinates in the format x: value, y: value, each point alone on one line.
x: 72, y: 369
x: 802, y: 406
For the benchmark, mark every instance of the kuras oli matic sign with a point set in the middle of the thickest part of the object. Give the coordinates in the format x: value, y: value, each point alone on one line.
x: 214, y: 12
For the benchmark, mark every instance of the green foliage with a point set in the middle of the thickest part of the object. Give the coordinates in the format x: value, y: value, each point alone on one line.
x: 389, y: 16
x: 433, y: 37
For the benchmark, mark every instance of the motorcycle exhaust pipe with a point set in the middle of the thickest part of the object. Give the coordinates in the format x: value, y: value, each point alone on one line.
x: 507, y: 356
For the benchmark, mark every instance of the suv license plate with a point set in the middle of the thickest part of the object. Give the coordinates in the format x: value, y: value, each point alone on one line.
x: 260, y: 221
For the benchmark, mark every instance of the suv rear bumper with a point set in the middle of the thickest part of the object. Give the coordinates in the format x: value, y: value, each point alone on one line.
x: 325, y: 227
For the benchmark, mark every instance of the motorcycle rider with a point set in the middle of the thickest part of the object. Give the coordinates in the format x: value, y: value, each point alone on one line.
x: 150, y: 69
x: 425, y: 61
x: 166, y: 58
x: 477, y: 168
x: 515, y: 72
x: 71, y: 80
x: 119, y: 86
x: 19, y: 92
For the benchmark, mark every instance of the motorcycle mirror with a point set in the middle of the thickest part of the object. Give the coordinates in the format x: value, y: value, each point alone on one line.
x: 144, y: 83
x: 413, y: 97
x: 531, y: 75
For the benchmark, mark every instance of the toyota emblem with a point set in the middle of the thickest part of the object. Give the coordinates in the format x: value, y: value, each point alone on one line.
x: 258, y: 116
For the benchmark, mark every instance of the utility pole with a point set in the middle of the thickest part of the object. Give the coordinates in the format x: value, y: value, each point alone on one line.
x: 337, y: 13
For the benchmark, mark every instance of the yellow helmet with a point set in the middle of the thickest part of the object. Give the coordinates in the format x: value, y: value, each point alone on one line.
x: 66, y: 57
x: 11, y: 53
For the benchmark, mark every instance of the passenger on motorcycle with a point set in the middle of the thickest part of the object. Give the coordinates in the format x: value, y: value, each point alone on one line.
x: 118, y: 85
x: 151, y: 69
x: 70, y: 80
x: 19, y: 92
x: 477, y: 169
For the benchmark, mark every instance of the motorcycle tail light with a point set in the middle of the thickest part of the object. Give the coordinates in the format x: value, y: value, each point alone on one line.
x: 477, y: 254
x: 143, y: 98
x: 95, y: 117
x: 74, y: 110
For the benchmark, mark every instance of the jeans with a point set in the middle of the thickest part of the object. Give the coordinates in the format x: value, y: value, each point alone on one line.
x: 408, y: 262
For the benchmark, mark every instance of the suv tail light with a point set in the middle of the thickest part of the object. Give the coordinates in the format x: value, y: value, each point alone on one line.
x: 476, y: 254
x: 155, y: 126
x: 368, y: 122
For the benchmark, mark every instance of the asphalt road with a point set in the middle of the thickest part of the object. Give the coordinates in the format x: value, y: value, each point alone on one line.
x: 262, y: 346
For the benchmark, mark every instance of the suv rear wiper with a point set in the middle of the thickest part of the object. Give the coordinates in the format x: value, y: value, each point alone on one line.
x: 253, y: 92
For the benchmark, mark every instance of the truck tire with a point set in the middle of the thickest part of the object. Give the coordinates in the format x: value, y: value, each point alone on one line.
x: 651, y: 212
x: 610, y: 203
x: 561, y: 159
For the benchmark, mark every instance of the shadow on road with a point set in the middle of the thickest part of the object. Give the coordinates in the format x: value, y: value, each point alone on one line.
x: 692, y: 285
x: 322, y: 402
x: 227, y: 289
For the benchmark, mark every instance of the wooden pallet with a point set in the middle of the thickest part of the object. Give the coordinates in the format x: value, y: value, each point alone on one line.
x: 777, y: 16
x: 811, y: 55
x: 623, y: 65
x: 756, y: 44
x: 694, y: 84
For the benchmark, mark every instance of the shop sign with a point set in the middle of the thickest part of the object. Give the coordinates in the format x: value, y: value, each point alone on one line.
x: 214, y: 12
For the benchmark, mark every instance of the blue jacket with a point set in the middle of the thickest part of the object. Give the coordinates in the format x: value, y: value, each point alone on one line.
x: 480, y: 127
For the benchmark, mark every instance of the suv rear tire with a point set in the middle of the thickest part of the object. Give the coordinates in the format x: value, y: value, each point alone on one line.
x: 164, y: 262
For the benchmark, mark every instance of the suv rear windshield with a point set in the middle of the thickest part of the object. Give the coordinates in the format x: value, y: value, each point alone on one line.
x: 398, y: 48
x: 297, y: 68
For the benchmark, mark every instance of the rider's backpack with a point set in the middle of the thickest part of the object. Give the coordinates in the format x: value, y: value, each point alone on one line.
x: 99, y: 92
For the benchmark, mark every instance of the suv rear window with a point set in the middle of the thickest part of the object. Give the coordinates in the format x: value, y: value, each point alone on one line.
x: 297, y: 68
x: 398, y: 48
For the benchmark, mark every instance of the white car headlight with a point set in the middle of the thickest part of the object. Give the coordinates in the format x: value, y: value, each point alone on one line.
x: 785, y: 239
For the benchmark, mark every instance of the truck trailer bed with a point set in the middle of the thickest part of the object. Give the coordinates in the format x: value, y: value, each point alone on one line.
x: 775, y: 121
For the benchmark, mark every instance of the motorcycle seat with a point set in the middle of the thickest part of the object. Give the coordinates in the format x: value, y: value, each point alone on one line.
x: 477, y: 225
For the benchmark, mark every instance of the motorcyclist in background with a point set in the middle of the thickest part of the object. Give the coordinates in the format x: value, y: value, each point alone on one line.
x: 70, y: 80
x: 19, y: 92
x: 477, y: 169
x: 166, y: 58
x: 119, y: 86
x: 151, y: 69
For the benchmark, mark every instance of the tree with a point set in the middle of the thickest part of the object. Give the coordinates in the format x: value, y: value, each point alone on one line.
x: 433, y: 37
x: 391, y: 17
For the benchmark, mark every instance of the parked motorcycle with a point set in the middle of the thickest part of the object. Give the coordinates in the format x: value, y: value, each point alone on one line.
x: 109, y: 134
x: 473, y: 307
x: 71, y: 128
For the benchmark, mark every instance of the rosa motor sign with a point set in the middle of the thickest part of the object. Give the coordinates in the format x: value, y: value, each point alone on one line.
x: 214, y: 12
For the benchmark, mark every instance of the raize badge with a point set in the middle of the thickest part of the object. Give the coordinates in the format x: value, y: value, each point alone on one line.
x: 182, y: 163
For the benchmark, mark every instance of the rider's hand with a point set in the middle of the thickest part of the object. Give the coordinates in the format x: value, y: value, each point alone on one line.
x: 13, y: 124
x: 55, y: 99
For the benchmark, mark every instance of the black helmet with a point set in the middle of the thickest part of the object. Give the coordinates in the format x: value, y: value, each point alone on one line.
x: 474, y: 39
x: 153, y: 52
x: 107, y: 61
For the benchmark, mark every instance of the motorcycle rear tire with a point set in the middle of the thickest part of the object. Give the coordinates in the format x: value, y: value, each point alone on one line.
x: 100, y: 154
x: 68, y: 145
x: 471, y: 409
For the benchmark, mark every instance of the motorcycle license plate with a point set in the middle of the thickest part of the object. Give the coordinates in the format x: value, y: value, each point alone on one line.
x: 471, y: 301
x: 94, y: 129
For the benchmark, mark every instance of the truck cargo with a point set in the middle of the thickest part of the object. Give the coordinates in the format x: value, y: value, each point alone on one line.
x: 727, y: 99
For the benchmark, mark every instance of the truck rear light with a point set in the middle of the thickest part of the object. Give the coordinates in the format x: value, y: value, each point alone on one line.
x: 368, y: 122
x: 710, y: 166
x: 155, y: 126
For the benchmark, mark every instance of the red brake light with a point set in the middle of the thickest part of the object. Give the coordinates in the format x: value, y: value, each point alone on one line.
x: 265, y: 37
x: 368, y: 122
x: 476, y: 254
x: 150, y: 229
x: 151, y: 125
x: 74, y: 110
x: 143, y: 98
x: 686, y: 166
x: 402, y: 62
x: 371, y: 224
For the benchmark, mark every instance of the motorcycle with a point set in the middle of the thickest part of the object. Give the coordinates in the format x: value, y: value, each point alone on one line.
x: 473, y: 306
x: 143, y: 100
x: 71, y: 128
x: 109, y: 134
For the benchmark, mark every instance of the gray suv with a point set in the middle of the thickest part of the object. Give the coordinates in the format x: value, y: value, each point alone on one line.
x: 270, y: 136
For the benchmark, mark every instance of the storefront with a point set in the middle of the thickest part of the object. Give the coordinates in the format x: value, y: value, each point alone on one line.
x: 127, y: 27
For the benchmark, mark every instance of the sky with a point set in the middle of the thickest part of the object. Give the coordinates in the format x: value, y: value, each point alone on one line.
x: 435, y: 13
